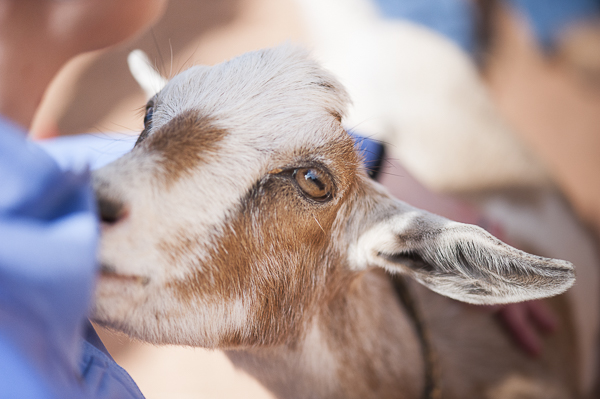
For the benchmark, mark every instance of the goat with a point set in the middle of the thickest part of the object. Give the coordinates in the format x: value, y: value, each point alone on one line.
x: 243, y: 220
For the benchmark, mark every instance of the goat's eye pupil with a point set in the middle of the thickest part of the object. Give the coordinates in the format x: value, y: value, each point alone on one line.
x: 314, y: 183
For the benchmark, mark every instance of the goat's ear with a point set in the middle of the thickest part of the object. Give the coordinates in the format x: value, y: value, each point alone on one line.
x: 144, y: 73
x: 457, y: 260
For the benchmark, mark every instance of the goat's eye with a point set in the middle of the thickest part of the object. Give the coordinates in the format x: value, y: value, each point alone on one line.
x: 148, y: 116
x: 314, y: 183
x: 147, y: 122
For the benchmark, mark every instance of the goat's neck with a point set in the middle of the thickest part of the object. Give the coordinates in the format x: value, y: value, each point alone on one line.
x: 361, y: 344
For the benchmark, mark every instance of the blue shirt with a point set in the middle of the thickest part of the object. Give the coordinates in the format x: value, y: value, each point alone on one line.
x: 48, y: 240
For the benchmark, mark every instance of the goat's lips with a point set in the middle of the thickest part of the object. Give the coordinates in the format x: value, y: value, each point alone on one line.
x: 109, y: 273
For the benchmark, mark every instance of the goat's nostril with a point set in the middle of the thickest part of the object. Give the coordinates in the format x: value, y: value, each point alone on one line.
x: 111, y: 211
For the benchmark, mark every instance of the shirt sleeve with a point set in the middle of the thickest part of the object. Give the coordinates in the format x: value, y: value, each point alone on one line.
x: 48, y: 242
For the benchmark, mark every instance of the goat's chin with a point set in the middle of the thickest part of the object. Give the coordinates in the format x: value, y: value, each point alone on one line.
x: 152, y: 315
x: 115, y: 301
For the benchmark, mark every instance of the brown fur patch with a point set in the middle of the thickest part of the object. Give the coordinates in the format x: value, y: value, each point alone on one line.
x: 336, y: 115
x: 365, y: 315
x: 184, y: 142
x: 276, y: 254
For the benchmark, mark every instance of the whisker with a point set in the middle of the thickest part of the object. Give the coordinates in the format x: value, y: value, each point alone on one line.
x: 314, y: 217
x: 171, y: 68
x: 162, y: 60
x: 184, y: 65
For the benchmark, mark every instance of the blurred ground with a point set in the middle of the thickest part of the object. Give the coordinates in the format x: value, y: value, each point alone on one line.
x: 552, y: 105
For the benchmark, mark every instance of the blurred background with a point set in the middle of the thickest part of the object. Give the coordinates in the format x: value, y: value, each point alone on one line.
x: 537, y: 61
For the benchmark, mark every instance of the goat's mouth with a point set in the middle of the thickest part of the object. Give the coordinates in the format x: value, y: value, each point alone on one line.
x: 109, y: 273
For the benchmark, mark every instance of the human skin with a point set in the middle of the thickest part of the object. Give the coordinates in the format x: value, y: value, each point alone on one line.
x: 38, y: 37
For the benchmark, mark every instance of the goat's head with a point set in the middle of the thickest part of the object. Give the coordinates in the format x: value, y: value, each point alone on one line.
x: 243, y: 200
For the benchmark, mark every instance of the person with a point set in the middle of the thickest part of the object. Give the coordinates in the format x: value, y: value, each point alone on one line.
x: 48, y: 227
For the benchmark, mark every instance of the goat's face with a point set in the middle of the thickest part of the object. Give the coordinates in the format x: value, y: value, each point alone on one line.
x: 244, y: 197
x: 223, y: 211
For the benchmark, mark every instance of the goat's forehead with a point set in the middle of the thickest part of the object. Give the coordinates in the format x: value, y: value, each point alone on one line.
x: 276, y: 86
x: 193, y: 140
x: 234, y: 122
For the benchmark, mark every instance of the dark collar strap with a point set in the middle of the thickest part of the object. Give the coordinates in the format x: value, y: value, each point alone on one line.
x: 372, y: 152
x: 432, y: 373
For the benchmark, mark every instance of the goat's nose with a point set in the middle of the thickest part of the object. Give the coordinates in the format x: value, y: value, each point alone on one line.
x: 110, y: 211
